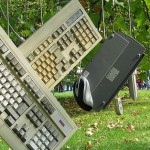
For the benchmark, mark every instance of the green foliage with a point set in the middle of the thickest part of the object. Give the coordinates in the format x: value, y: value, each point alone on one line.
x: 25, y: 17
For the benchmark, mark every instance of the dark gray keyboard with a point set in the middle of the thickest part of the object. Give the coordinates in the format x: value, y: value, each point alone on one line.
x: 30, y: 116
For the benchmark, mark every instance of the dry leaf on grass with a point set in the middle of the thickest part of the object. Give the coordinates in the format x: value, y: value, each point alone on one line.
x: 111, y: 125
x: 89, y: 131
x: 131, y: 140
x: 89, y: 144
x: 94, y: 125
x: 135, y: 113
x: 130, y: 128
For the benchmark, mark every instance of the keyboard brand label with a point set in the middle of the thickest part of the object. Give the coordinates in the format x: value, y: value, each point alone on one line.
x: 60, y: 121
x: 112, y: 74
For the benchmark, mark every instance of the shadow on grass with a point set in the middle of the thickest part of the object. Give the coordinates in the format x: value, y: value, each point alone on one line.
x: 72, y: 108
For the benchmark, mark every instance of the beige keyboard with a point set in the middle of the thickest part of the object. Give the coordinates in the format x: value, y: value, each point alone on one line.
x: 30, y: 116
x: 58, y: 46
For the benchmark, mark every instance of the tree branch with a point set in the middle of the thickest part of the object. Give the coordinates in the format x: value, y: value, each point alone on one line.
x: 146, y: 11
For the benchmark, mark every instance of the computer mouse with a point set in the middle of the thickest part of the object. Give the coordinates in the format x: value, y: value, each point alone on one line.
x: 82, y: 93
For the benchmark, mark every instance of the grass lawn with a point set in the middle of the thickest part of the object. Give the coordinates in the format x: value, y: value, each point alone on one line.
x: 105, y: 130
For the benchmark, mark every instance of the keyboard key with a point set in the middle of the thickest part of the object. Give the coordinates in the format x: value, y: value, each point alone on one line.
x: 22, y: 108
x: 1, y: 43
x: 3, y: 49
x: 30, y: 57
x: 15, y: 106
x: 32, y: 145
x: 30, y: 114
x: 3, y: 91
x: 39, y: 94
x: 37, y: 123
x: 22, y: 72
x: 5, y: 72
x: 1, y: 98
x: 10, y: 77
x: 35, y: 109
x: 14, y: 83
x: 18, y: 67
x: 1, y: 109
x: 34, y: 119
x: 7, y: 96
x: 3, y: 80
x: 27, y: 79
x: 25, y: 128
x: 11, y: 90
x: 10, y: 111
x: 9, y: 120
x: 13, y: 61
x: 42, y: 118
x: 24, y: 137
x: 27, y: 100
x: 16, y: 128
x: 52, y: 144
x: 5, y: 103
x: 19, y: 100
x: 2, y: 67
x: 11, y: 101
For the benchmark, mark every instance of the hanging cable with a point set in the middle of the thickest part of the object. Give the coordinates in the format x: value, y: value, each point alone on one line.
x: 19, y: 37
x: 132, y: 79
x: 41, y: 9
x: 113, y: 16
x: 7, y: 13
x: 130, y: 21
x: 103, y: 17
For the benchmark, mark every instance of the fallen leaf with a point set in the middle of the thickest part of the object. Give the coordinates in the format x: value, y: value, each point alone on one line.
x: 89, y: 133
x: 89, y: 144
x: 126, y: 140
x: 79, y: 123
x: 102, y: 137
x: 94, y: 125
x: 89, y: 129
x: 131, y: 140
x: 111, y: 125
x: 130, y: 128
x: 135, y: 113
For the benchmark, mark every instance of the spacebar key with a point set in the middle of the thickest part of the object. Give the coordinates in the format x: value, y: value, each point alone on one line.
x: 32, y: 146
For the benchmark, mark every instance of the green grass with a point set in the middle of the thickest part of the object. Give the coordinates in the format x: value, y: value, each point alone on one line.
x: 130, y: 131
